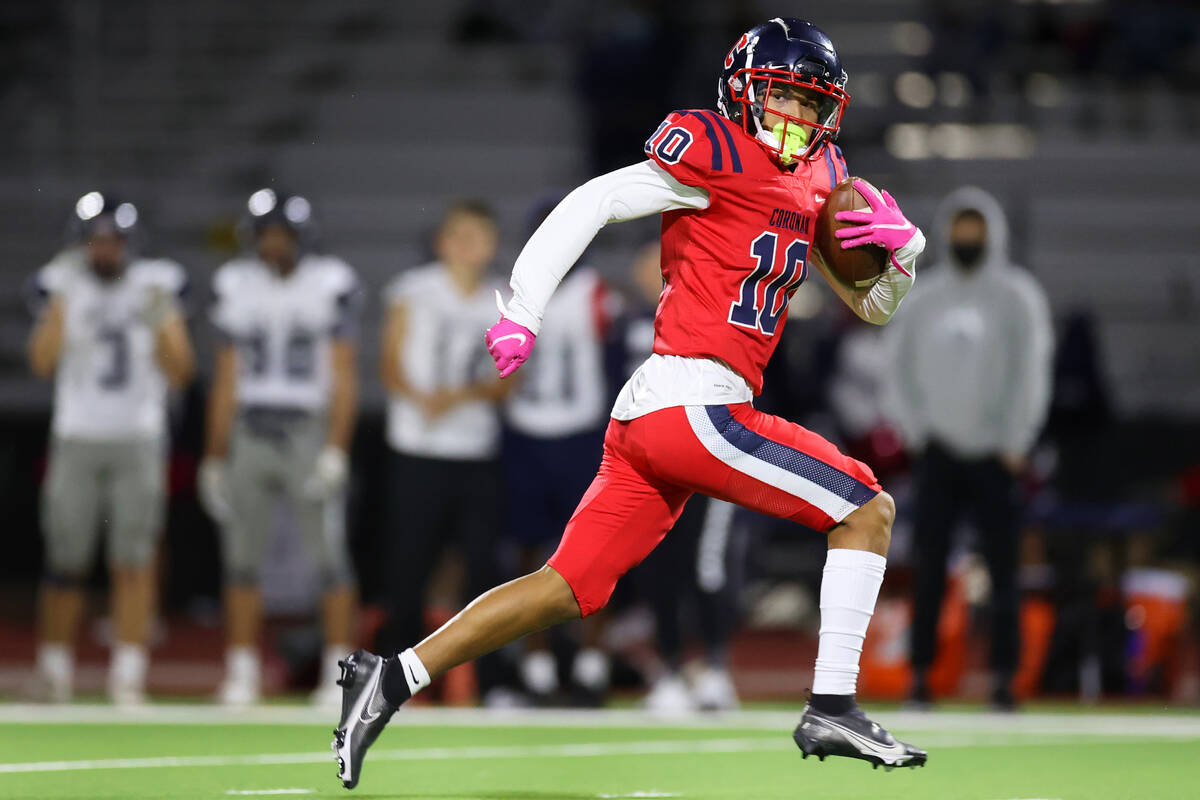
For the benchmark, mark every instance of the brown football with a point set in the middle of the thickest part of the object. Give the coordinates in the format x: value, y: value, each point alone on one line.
x: 855, y: 266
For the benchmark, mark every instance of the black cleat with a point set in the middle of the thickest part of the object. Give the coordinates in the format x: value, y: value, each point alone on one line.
x: 853, y: 735
x: 365, y: 712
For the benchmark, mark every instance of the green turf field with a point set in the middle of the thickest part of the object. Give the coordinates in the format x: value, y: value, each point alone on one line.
x: 190, y: 752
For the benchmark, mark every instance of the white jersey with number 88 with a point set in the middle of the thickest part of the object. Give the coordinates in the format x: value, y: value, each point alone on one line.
x: 283, y: 327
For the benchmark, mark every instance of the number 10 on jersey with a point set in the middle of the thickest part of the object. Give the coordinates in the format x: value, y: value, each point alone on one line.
x: 766, y: 290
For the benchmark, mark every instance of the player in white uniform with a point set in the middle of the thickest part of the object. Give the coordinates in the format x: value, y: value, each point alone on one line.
x: 280, y: 419
x: 110, y: 333
x: 443, y: 425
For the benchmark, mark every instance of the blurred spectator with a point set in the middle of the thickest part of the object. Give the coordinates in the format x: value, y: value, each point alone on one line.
x: 281, y: 414
x: 556, y: 419
x: 443, y: 426
x: 969, y: 387
x: 110, y: 332
x: 1081, y: 412
x: 697, y: 572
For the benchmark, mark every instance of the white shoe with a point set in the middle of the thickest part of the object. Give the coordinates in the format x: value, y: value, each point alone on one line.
x: 53, y: 679
x: 127, y: 674
x: 127, y: 696
x: 327, y: 695
x: 238, y: 694
x: 504, y: 698
x: 669, y: 695
x: 591, y: 670
x: 539, y: 672
x: 713, y: 690
x: 243, y: 678
x: 46, y: 688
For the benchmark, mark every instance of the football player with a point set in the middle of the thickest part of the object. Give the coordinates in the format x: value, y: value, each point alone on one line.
x: 280, y: 418
x: 111, y: 334
x: 739, y: 190
x: 443, y: 423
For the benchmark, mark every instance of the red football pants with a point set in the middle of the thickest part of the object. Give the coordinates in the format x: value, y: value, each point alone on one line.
x: 654, y: 463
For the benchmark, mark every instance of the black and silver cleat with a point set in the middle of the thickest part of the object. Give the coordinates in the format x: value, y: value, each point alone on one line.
x: 365, y: 713
x: 853, y: 735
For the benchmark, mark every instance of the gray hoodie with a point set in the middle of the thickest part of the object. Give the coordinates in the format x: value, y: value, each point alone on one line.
x: 970, y: 353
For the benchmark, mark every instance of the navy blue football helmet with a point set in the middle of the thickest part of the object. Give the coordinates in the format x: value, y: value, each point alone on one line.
x: 102, y: 214
x: 784, y: 52
x: 267, y: 207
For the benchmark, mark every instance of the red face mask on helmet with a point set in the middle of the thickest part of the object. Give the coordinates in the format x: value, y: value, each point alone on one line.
x: 793, y: 56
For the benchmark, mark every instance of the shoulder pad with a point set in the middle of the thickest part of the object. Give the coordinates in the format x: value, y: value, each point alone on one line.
x: 231, y: 275
x: 332, y: 273
x: 161, y: 272
x: 56, y: 275
x: 409, y: 283
x: 693, y: 144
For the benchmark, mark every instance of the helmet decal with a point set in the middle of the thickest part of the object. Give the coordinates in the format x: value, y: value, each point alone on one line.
x: 796, y: 58
x: 739, y: 45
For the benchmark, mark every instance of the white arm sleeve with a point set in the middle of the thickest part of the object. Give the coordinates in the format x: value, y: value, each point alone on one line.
x: 879, y: 303
x: 624, y: 194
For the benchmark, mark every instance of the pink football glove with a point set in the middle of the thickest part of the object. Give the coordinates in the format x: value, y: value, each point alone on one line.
x: 884, y: 225
x: 509, y: 343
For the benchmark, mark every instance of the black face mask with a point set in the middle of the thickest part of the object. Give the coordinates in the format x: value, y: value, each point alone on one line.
x: 967, y: 256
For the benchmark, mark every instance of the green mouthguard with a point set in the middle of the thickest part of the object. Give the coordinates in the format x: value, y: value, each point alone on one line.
x: 793, y: 143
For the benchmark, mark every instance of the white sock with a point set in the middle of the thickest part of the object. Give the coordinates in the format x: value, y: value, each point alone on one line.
x: 849, y: 586
x: 591, y: 669
x: 128, y: 664
x: 330, y: 671
x: 539, y: 670
x: 242, y: 665
x: 415, y: 673
x: 56, y: 661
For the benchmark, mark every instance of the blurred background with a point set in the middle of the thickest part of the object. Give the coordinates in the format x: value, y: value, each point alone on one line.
x: 1081, y: 118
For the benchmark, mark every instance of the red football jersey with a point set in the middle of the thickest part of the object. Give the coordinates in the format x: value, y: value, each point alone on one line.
x: 730, y: 269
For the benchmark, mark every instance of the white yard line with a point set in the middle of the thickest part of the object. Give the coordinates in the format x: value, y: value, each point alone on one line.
x: 1099, y: 724
x: 415, y: 754
x: 581, y: 750
x: 243, y: 792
